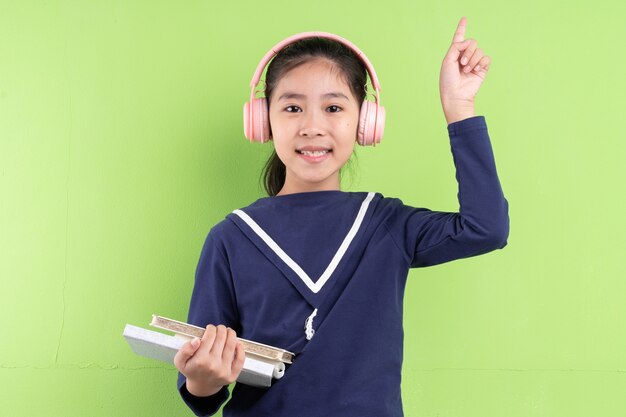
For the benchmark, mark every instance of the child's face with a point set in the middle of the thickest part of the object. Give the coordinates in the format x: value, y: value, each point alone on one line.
x: 314, y: 118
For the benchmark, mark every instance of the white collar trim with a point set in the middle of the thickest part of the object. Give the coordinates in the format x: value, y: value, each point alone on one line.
x: 315, y: 287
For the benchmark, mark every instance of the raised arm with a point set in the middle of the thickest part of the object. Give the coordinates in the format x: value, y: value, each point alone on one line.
x: 482, y: 223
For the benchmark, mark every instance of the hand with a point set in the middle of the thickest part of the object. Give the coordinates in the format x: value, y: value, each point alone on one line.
x: 211, y: 362
x: 463, y: 70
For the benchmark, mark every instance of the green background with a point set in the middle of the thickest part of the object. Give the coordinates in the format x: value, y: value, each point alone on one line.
x: 121, y: 144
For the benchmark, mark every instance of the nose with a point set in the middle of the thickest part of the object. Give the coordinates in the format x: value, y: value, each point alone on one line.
x: 312, y: 124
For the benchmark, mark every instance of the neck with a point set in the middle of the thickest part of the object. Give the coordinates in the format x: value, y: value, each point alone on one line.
x: 293, y: 187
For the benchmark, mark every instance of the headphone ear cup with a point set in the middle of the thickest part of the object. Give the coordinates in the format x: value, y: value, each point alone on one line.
x: 361, y: 127
x: 247, y: 130
x: 381, y: 117
x: 371, y: 123
x: 256, y: 120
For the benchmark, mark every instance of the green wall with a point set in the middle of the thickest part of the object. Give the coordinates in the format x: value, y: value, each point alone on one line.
x: 121, y: 144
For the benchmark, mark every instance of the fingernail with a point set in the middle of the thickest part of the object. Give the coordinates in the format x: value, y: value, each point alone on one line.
x: 464, y: 60
x: 195, y: 342
x: 477, y: 68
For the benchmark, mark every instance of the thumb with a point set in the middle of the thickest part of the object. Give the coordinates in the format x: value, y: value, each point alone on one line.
x: 186, y: 352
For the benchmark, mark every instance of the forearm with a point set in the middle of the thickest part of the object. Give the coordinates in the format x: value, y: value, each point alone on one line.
x: 456, y: 116
x: 457, y: 111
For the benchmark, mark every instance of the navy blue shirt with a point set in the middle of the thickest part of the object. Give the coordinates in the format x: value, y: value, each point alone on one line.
x: 322, y: 274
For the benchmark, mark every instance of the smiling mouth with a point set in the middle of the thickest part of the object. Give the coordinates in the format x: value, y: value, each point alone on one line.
x: 314, y: 153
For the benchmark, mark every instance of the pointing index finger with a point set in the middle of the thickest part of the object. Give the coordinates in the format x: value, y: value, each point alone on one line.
x: 459, y: 35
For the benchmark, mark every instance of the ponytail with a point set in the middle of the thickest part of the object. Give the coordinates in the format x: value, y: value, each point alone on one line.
x: 274, y: 174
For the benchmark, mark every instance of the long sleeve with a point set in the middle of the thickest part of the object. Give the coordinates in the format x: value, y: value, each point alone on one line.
x: 212, y: 302
x: 482, y: 223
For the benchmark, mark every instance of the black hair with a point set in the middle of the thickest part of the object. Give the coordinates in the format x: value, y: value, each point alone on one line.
x: 351, y: 68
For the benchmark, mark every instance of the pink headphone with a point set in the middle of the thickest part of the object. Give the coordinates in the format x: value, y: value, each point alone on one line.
x: 255, y: 112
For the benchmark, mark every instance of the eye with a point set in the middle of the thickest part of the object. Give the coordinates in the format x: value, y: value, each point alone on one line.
x: 334, y: 109
x: 298, y: 109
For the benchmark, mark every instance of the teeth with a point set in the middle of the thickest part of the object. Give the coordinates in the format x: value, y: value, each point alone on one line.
x: 314, y: 153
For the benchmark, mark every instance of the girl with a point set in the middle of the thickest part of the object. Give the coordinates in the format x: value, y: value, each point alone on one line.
x: 321, y: 272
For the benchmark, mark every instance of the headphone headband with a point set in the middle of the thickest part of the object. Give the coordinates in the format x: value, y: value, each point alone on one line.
x: 280, y: 45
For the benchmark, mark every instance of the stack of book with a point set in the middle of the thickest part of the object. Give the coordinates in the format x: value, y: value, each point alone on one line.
x: 263, y: 363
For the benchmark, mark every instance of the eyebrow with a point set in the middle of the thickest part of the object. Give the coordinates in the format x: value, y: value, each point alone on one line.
x: 302, y: 96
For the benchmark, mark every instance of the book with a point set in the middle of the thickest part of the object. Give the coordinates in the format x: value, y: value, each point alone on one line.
x: 263, y: 363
